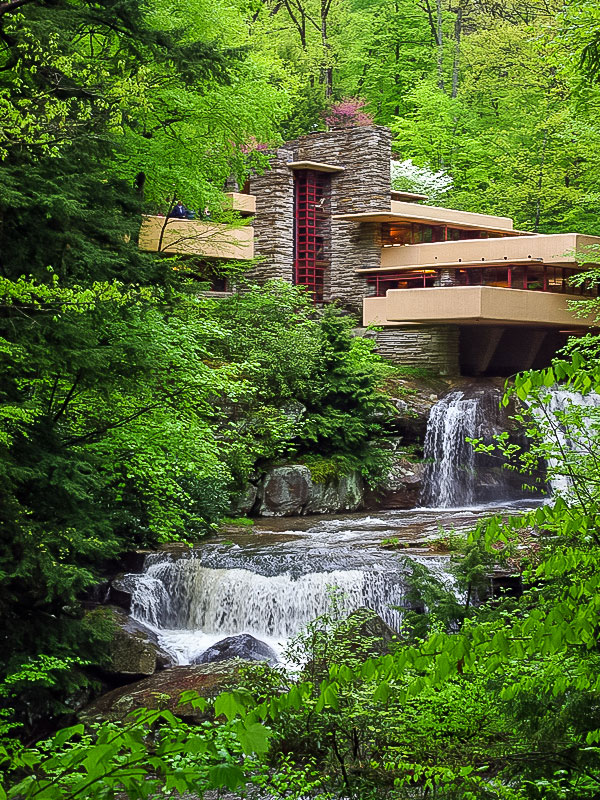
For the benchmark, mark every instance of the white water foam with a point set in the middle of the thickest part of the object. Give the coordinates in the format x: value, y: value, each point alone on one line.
x: 449, y: 475
x: 574, y: 437
x: 191, y: 607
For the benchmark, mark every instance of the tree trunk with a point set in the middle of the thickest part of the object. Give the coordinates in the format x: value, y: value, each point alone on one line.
x: 456, y: 62
x: 327, y: 75
x: 440, y: 44
x: 538, y: 202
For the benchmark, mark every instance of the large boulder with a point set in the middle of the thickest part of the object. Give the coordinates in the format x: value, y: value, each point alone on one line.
x: 243, y: 646
x: 294, y: 410
x: 412, y: 400
x: 324, y: 498
x: 133, y: 648
x: 350, y: 492
x: 290, y: 491
x: 163, y: 691
x: 285, y: 491
x: 401, y: 488
x: 245, y: 501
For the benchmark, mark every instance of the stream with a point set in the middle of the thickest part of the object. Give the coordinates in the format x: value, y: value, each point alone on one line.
x: 274, y: 580
x: 271, y: 581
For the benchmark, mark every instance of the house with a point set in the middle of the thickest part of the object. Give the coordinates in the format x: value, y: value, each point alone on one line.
x: 453, y: 291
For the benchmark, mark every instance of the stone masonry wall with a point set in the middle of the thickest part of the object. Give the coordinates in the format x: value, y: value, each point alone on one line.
x: 364, y: 185
x: 432, y: 347
x: 274, y: 220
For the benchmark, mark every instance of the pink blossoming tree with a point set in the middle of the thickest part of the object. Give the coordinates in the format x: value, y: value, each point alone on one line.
x: 348, y: 113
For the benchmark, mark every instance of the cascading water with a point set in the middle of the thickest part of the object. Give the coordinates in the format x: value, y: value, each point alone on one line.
x: 570, y: 424
x: 271, y: 585
x: 199, y: 604
x: 449, y: 475
x: 455, y: 474
x: 272, y: 589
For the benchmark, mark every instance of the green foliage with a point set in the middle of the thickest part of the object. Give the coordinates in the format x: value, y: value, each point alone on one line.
x: 24, y: 686
x: 242, y: 522
x: 502, y: 702
x: 122, y: 427
x: 131, y: 407
x: 318, y: 391
x: 153, y: 751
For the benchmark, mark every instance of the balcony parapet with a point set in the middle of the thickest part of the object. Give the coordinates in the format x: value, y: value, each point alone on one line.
x: 194, y: 237
x: 243, y: 203
x: 554, y: 248
x: 472, y: 305
x: 434, y: 215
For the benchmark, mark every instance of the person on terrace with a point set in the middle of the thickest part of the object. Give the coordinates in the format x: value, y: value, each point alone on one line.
x: 179, y: 211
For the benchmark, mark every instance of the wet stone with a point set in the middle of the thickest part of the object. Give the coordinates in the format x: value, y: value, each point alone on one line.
x: 243, y: 646
x: 163, y: 690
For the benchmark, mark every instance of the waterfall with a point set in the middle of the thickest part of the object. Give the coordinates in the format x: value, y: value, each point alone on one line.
x: 192, y: 606
x: 449, y: 474
x: 456, y: 475
x: 574, y: 439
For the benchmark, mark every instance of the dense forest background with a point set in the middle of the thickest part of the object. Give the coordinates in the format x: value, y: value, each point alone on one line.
x: 492, y: 93
x: 118, y: 377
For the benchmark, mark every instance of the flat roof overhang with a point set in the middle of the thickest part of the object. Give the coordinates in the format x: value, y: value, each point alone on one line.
x: 515, y: 262
x: 317, y: 166
x: 410, y: 195
x: 473, y: 305
x: 393, y: 216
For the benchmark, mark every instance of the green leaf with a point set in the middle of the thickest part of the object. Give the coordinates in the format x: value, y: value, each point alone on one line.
x: 226, y: 776
x: 253, y: 737
x: 229, y: 705
x: 67, y: 733
x: 382, y: 692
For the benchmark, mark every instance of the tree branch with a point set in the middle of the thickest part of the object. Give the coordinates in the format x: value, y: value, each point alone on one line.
x: 8, y: 8
x: 68, y: 398
x: 89, y: 437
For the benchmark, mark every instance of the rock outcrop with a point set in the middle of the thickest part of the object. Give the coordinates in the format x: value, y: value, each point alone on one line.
x: 133, y: 648
x: 367, y: 630
x: 120, y: 591
x: 285, y: 491
x: 290, y: 491
x: 403, y: 484
x: 363, y: 634
x: 243, y: 646
x: 163, y: 691
x: 246, y: 500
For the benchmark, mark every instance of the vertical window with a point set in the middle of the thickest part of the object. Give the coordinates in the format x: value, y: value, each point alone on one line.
x: 310, y: 239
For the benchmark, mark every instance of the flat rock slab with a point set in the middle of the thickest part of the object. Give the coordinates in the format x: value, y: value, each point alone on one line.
x: 163, y: 690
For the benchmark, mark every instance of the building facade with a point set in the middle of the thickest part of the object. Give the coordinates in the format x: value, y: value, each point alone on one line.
x: 452, y: 291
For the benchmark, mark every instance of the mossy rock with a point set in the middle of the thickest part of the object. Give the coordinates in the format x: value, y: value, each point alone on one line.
x: 133, y: 649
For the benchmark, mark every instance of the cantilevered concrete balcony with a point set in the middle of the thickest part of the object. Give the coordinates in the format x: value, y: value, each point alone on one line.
x: 244, y: 203
x: 555, y: 248
x: 196, y: 238
x: 434, y: 215
x: 437, y: 215
x: 471, y: 305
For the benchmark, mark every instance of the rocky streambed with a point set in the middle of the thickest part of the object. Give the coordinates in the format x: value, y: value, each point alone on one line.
x: 182, y: 616
x: 247, y: 592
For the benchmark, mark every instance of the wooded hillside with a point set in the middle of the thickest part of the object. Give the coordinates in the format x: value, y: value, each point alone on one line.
x: 118, y: 378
